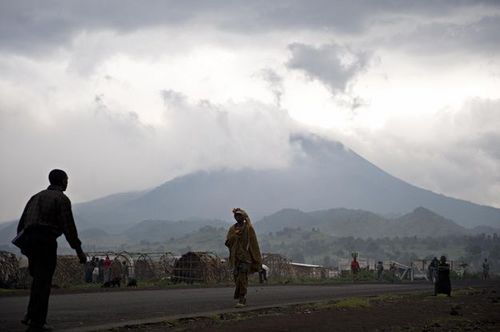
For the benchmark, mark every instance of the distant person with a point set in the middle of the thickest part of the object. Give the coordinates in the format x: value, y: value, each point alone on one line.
x: 100, y: 266
x: 95, y: 273
x: 89, y: 268
x: 354, y: 267
x: 244, y: 253
x: 392, y: 270
x: 263, y: 273
x: 433, y: 269
x: 107, y: 269
x: 125, y: 272
x: 486, y: 269
x: 47, y: 216
x: 443, y: 283
x: 380, y: 270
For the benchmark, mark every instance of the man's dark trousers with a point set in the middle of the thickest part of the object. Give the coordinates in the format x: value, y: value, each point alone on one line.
x: 42, y: 259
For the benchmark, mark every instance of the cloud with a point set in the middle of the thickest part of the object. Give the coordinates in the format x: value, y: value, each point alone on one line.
x: 231, y: 135
x: 28, y: 26
x: 275, y: 82
x: 334, y: 65
x: 479, y: 36
x: 106, y: 148
x: 455, y: 151
x: 126, y: 95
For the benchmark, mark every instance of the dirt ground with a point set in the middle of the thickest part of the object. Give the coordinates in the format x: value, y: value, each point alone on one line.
x: 470, y: 309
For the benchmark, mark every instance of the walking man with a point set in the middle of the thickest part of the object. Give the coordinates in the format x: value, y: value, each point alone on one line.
x: 355, y: 268
x: 486, y: 269
x: 244, y: 253
x: 47, y: 216
x: 443, y: 283
x: 380, y: 270
x: 433, y: 269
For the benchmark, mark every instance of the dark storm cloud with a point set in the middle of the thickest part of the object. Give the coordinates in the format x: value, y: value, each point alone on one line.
x: 332, y: 64
x: 27, y: 26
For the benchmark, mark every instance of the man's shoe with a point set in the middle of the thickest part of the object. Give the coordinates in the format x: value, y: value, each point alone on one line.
x: 38, y: 328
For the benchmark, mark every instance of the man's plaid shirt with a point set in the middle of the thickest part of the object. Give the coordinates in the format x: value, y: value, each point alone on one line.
x: 51, y: 208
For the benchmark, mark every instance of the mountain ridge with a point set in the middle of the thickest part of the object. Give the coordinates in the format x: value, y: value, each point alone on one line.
x: 341, y: 222
x: 321, y: 175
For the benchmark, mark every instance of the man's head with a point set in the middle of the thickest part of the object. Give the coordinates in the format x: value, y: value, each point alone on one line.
x: 58, y: 177
x: 443, y: 259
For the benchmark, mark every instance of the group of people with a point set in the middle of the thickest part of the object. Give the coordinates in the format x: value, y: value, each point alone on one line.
x: 379, y: 268
x: 99, y: 270
x: 439, y: 274
x: 48, y: 215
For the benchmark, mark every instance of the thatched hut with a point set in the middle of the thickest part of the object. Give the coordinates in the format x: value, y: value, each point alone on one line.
x: 68, y: 272
x: 203, y: 267
x: 145, y: 268
x: 9, y: 270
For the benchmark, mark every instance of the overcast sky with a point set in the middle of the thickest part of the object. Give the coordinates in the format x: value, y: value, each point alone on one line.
x: 125, y: 95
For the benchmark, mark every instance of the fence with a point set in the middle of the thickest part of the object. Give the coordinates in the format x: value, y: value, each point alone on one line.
x: 192, y: 267
x: 141, y: 266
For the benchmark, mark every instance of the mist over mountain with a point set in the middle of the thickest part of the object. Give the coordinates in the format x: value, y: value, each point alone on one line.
x: 161, y: 230
x: 363, y: 224
x: 321, y: 175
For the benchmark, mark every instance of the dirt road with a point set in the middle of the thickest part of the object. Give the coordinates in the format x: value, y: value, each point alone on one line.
x: 92, y: 311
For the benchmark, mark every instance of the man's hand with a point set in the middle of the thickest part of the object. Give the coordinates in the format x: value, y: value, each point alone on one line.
x: 81, y: 256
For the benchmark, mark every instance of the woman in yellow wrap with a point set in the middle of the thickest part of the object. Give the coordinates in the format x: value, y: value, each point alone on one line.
x: 244, y: 253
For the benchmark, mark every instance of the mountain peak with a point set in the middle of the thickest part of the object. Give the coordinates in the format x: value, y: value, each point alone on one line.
x: 422, y: 211
x: 323, y: 175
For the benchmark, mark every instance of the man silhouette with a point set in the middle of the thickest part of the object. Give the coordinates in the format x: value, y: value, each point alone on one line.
x: 47, y: 216
x: 486, y: 269
x: 443, y: 283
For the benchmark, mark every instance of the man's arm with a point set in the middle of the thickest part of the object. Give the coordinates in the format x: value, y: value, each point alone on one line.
x: 69, y: 229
